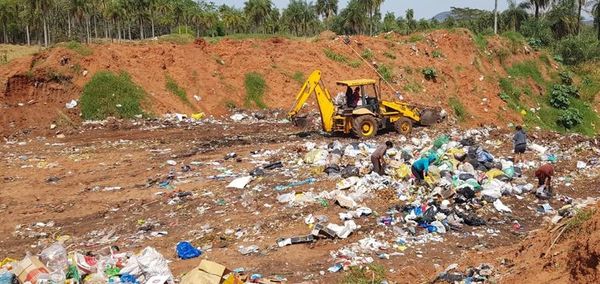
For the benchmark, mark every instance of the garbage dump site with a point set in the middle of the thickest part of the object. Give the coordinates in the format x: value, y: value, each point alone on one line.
x: 250, y: 199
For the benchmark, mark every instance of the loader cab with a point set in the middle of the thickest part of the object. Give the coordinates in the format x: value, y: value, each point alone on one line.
x: 369, y: 93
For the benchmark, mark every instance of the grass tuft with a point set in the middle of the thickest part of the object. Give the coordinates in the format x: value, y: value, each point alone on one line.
x: 458, y: 108
x: 79, y: 48
x: 299, y: 77
x: 109, y: 94
x: 372, y: 273
x: 178, y: 91
x: 177, y: 38
x: 255, y: 89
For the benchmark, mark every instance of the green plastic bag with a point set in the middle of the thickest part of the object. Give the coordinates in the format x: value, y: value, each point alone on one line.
x: 440, y: 141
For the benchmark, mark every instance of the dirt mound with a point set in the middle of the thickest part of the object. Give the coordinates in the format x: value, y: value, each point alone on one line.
x: 566, y: 253
x: 213, y: 75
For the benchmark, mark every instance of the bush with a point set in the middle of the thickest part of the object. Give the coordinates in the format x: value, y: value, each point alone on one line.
x: 560, y: 95
x: 458, y: 108
x: 334, y: 56
x: 429, y: 73
x: 566, y: 78
x: 538, y: 32
x: 108, y: 94
x: 255, y: 89
x: 577, y: 49
x: 570, y: 118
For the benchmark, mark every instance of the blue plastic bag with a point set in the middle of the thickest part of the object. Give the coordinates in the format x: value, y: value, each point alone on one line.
x: 129, y: 279
x: 185, y: 250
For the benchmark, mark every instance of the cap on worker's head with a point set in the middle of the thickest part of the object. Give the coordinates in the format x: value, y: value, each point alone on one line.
x: 519, y: 127
x: 389, y: 144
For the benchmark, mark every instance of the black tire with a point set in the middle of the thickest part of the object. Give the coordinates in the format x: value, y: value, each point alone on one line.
x: 403, y: 126
x: 365, y: 126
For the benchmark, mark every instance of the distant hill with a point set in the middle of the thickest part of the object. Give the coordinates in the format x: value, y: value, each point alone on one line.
x: 442, y: 16
x: 589, y: 22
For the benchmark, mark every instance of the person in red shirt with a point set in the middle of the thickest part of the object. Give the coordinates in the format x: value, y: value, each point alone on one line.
x: 544, y: 175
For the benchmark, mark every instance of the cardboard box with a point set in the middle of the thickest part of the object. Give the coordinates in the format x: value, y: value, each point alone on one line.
x: 29, y: 269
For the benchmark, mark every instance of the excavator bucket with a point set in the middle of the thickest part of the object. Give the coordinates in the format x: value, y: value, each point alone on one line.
x: 431, y: 116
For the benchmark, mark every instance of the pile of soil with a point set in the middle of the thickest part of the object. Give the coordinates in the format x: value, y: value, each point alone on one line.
x: 34, y: 90
x: 552, y: 255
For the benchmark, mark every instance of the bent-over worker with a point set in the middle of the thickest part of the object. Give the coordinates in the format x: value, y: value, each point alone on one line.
x: 544, y: 175
x: 377, y: 157
x: 420, y: 168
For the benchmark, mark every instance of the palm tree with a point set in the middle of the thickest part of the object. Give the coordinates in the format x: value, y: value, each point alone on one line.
x: 389, y: 22
x: 596, y: 15
x: 515, y: 14
x: 539, y: 4
x: 257, y: 12
x: 326, y: 8
x: 233, y: 19
x: 579, y: 9
x: 42, y: 7
x: 353, y: 17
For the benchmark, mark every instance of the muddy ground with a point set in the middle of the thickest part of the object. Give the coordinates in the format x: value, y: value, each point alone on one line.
x: 99, y: 187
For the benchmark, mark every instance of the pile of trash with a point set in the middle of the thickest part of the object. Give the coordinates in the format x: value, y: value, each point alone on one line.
x: 465, y: 183
x: 55, y: 265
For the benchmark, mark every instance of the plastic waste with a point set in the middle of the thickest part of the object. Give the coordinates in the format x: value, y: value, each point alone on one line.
x: 501, y: 207
x: 185, y: 250
x: 55, y: 257
x: 248, y: 250
x: 581, y: 165
x: 240, y: 182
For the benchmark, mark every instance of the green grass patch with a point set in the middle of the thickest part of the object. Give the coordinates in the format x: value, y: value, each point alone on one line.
x: 386, y: 72
x: 177, y: 38
x: 175, y: 89
x: 9, y: 52
x: 416, y: 38
x: 299, y: 77
x: 230, y: 104
x: 335, y: 56
x: 546, y: 59
x: 109, y: 94
x: 515, y: 39
x: 413, y: 87
x: 480, y: 41
x: 389, y: 55
x: 367, y: 54
x: 80, y: 48
x: 372, y: 273
x: 437, y: 54
x: 355, y: 63
x: 579, y: 218
x: 458, y: 108
x: 527, y: 69
x: 255, y: 89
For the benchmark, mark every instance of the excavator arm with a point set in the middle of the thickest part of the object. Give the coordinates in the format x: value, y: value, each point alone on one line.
x: 326, y: 106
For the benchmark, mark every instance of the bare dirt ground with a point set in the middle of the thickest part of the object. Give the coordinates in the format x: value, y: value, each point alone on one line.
x: 98, y: 188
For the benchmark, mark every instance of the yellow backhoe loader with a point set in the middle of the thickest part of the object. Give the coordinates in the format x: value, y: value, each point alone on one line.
x: 365, y: 120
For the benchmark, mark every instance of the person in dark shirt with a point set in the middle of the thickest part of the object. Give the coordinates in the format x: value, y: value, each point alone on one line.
x: 377, y: 157
x: 520, y: 143
x: 349, y: 97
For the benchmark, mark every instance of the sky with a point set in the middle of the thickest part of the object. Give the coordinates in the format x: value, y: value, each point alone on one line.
x: 423, y: 8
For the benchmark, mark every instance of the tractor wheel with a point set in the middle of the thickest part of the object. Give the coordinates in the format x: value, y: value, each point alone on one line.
x: 403, y: 126
x: 365, y: 126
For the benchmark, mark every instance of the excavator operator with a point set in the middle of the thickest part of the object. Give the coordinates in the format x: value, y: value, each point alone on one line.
x: 352, y: 98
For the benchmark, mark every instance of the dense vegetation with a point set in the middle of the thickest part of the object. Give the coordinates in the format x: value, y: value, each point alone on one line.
x: 48, y: 21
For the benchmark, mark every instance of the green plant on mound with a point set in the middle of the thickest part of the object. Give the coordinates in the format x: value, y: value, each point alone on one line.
x: 299, y: 77
x: 178, y: 91
x: 79, y: 48
x: 386, y: 72
x: 109, y: 94
x: 177, y: 38
x: 335, y: 56
x: 255, y: 89
x: 389, y: 55
x: 367, y: 54
x: 480, y: 41
x: 458, y: 108
x: 526, y: 69
x: 430, y: 73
